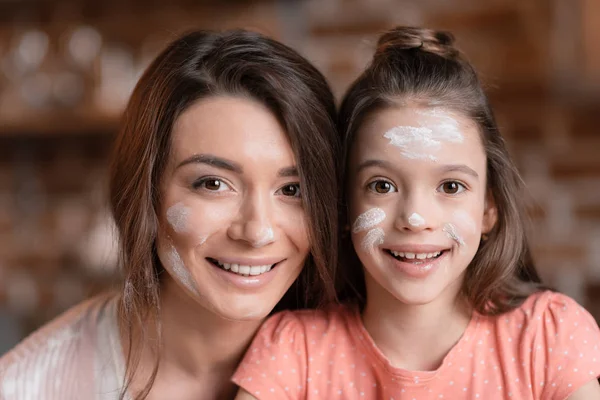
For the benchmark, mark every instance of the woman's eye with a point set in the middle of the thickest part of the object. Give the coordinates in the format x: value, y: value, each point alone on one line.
x: 452, y: 187
x: 381, y: 187
x: 212, y: 184
x: 291, y: 190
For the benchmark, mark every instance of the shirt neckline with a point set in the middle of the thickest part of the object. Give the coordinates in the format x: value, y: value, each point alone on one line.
x: 396, y: 373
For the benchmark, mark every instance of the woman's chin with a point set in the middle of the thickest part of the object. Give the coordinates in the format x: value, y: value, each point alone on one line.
x: 243, y: 313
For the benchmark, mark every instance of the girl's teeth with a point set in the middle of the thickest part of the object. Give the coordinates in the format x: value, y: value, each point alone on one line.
x: 245, y: 270
x: 412, y: 256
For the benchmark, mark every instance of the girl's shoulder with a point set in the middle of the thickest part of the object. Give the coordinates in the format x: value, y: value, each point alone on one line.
x: 58, y: 352
x: 276, y: 364
x: 558, y: 337
x: 547, y: 312
x: 334, y: 318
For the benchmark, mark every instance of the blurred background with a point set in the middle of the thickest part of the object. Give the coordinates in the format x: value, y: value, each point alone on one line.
x: 67, y: 68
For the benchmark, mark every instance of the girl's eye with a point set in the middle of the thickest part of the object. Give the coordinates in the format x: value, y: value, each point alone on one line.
x: 291, y: 190
x: 381, y: 186
x: 212, y: 184
x: 452, y: 187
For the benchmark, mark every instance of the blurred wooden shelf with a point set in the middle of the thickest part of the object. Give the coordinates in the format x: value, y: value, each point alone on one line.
x: 59, y: 123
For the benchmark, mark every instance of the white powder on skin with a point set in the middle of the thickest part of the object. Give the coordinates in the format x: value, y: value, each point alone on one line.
x: 420, y: 142
x: 180, y: 271
x: 373, y: 238
x: 416, y: 220
x: 266, y: 238
x: 178, y: 215
x: 452, y: 233
x: 463, y: 219
x: 369, y: 219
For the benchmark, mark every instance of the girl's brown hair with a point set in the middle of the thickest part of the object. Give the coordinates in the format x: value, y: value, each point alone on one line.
x: 422, y: 67
x: 195, y: 66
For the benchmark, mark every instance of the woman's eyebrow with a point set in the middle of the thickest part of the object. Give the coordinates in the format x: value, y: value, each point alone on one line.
x: 214, y: 161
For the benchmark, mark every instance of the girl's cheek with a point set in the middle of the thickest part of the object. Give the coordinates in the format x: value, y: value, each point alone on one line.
x: 463, y: 220
x: 461, y: 228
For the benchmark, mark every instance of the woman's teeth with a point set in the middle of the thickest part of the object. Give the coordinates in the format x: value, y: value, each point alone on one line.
x: 245, y: 270
x: 413, y: 256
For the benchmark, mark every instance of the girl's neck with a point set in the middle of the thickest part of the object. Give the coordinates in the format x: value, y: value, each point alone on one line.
x: 200, y: 350
x: 415, y: 337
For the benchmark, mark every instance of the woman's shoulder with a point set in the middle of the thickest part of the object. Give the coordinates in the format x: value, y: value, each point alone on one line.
x: 62, y: 346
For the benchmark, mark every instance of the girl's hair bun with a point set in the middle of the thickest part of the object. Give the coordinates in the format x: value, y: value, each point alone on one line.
x: 404, y: 38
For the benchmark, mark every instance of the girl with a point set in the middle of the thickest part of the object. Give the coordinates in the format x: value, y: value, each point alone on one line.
x: 223, y: 188
x: 449, y: 305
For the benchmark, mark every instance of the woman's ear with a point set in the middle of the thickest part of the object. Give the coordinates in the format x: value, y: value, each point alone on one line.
x: 490, y: 214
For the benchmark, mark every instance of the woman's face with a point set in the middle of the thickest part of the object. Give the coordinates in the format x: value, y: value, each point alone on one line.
x: 233, y: 232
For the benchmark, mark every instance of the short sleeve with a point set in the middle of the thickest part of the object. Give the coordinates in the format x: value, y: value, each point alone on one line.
x: 274, y: 366
x: 572, y: 347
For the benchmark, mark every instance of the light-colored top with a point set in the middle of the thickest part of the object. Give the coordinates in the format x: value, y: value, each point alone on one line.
x: 545, y: 349
x: 76, y: 356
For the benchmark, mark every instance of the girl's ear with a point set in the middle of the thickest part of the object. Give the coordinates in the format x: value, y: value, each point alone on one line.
x: 490, y: 214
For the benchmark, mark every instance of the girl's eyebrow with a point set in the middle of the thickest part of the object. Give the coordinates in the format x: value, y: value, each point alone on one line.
x: 373, y: 163
x: 442, y: 168
x: 459, y: 168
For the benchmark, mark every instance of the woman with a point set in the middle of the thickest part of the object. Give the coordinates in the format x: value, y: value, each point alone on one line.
x: 223, y: 190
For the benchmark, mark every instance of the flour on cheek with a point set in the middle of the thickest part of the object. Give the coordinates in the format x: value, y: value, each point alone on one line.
x: 452, y: 233
x: 369, y: 221
x: 178, y: 216
x: 180, y: 271
x: 373, y: 238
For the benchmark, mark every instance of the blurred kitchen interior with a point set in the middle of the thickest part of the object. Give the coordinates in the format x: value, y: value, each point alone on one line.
x: 67, y: 68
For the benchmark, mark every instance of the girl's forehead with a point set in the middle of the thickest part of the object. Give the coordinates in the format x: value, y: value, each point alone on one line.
x: 426, y: 135
x: 439, y: 118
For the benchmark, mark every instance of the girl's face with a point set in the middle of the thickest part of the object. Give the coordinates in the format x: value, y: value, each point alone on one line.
x: 233, y: 232
x: 418, y: 201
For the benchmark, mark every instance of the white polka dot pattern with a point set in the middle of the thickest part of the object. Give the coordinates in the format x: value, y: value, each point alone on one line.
x: 547, y: 348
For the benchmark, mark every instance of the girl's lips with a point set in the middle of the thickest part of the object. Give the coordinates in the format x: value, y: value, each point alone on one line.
x: 418, y: 248
x: 417, y: 267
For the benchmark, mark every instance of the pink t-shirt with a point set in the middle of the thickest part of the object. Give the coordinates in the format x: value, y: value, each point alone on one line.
x: 545, y: 349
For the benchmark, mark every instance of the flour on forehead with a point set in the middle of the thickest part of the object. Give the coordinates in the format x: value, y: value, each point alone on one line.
x: 423, y: 140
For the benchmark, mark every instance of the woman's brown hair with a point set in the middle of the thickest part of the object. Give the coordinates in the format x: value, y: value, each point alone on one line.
x: 414, y: 66
x: 195, y: 66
